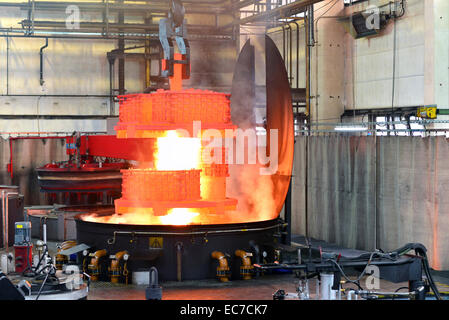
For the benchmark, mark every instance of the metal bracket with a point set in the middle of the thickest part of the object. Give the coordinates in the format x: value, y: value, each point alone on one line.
x: 168, y: 32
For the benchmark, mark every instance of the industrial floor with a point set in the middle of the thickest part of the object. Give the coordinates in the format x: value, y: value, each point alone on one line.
x: 261, y: 288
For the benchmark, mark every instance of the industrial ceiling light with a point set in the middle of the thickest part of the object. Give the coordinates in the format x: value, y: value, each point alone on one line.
x: 374, y: 19
x: 368, y: 23
x: 351, y: 128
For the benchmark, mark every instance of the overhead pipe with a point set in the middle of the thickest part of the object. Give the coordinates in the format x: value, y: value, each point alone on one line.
x: 113, y: 27
x: 315, y: 39
x: 68, y: 35
x: 121, y: 48
x: 41, y: 54
x: 283, y: 42
x: 5, y: 215
x: 311, y: 29
x: 290, y: 80
x: 106, y: 16
x: 289, y: 60
x: 111, y: 61
x: 297, y: 54
x: 31, y: 10
x: 57, y: 95
x: 7, y: 65
x: 95, y: 35
x: 279, y: 12
x: 204, y: 7
x: 310, y: 42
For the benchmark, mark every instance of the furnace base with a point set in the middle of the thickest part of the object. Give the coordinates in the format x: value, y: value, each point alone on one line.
x: 159, y: 246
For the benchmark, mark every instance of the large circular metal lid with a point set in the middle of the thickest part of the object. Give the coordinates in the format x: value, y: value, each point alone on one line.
x: 261, y: 97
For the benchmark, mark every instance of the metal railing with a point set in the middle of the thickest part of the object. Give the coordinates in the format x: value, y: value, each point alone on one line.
x: 428, y: 128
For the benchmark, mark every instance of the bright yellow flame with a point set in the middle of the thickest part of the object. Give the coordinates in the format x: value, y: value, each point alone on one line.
x: 179, y: 217
x: 177, y: 153
x: 175, y: 216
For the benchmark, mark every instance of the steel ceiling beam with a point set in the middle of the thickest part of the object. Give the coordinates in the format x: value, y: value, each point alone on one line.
x: 158, y: 7
x: 284, y: 11
x: 115, y: 27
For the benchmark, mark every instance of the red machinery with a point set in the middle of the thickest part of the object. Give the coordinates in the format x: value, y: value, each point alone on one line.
x: 92, y: 173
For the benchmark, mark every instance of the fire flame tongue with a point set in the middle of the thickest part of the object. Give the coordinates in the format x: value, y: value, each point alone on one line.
x: 177, y: 153
x: 179, y: 217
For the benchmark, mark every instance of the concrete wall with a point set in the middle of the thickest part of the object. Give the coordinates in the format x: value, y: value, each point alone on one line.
x: 369, y: 73
x: 28, y: 154
x: 350, y: 73
x: 80, y: 68
x: 71, y: 67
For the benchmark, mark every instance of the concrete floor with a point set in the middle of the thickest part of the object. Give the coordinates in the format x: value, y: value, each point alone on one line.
x: 262, y: 288
x: 255, y: 289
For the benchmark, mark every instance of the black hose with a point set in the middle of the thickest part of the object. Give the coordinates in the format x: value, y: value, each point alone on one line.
x: 42, y: 286
x: 49, y: 272
x: 429, y: 278
x: 420, y: 250
x: 33, y: 273
x: 309, y: 275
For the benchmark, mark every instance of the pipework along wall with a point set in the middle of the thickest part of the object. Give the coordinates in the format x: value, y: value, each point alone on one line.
x: 79, y: 68
x: 28, y: 154
x: 398, y: 52
x: 71, y: 67
x: 298, y: 70
x: 349, y: 73
x: 327, y: 59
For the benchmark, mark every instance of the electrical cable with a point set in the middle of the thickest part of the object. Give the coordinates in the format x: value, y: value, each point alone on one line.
x: 399, y: 289
x: 49, y: 275
x: 323, y: 6
x: 356, y: 282
x: 390, y: 256
x: 429, y: 278
x: 333, y: 5
x: 42, y: 286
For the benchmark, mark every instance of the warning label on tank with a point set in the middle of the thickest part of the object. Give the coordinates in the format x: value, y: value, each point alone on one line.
x: 156, y: 242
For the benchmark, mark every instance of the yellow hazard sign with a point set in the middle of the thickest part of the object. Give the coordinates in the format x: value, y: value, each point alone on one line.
x: 427, y: 112
x: 156, y: 242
